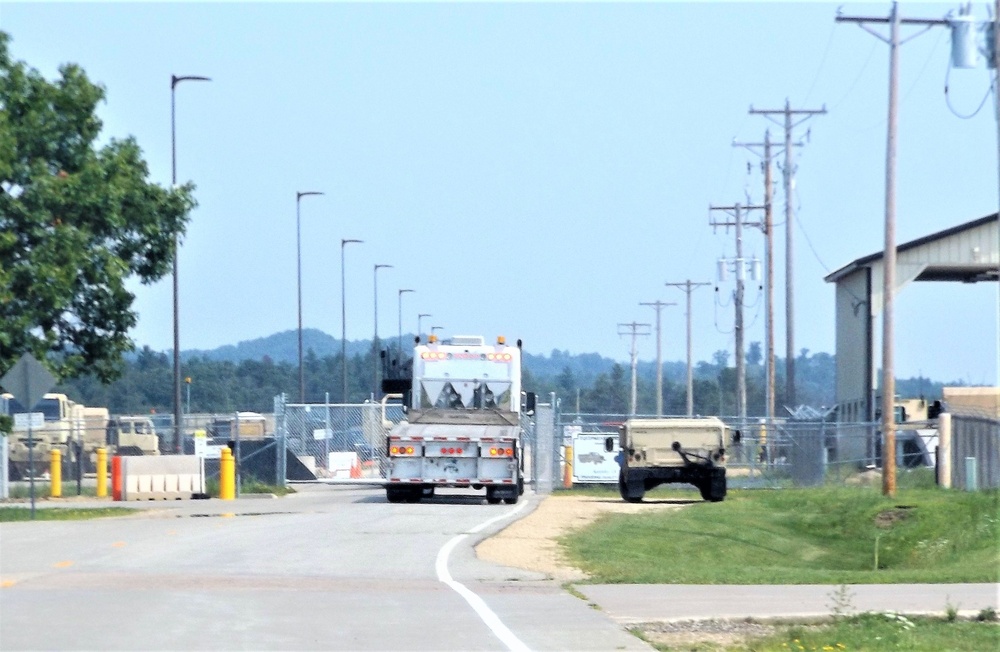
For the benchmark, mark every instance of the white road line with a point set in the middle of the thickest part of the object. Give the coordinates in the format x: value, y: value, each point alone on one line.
x: 484, y: 612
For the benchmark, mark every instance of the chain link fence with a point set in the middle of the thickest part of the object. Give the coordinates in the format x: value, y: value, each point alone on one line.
x: 332, y: 441
x: 786, y: 452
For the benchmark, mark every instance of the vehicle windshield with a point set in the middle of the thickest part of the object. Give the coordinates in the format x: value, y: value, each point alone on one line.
x: 47, y: 406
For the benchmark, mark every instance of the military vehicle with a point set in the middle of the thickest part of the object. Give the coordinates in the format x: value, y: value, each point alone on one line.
x: 659, y: 451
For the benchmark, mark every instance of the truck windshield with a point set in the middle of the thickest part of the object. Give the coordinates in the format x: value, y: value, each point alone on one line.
x: 47, y: 406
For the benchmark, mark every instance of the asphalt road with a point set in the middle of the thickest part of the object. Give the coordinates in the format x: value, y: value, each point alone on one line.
x: 339, y: 568
x: 332, y: 568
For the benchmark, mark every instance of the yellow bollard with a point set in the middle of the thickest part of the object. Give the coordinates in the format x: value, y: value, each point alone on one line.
x: 227, y: 475
x: 102, y: 472
x: 568, y: 469
x: 55, y: 472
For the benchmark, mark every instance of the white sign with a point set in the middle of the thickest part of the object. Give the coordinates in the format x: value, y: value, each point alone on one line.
x: 200, y: 443
x: 322, y: 433
x: 591, y: 462
x: 23, y: 420
x: 340, y: 464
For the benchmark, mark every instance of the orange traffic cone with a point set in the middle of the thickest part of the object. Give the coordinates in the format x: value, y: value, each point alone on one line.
x: 355, y: 468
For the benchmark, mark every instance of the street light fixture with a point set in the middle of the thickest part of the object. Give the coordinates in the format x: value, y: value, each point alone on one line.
x: 174, y: 80
x: 375, y: 343
x: 399, y: 342
x: 298, y: 258
x: 436, y: 328
x: 343, y: 318
x: 420, y: 330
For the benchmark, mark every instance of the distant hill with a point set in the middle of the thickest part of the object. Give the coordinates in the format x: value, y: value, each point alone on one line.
x: 284, y: 347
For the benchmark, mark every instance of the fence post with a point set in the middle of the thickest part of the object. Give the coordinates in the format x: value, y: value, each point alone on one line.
x: 944, y: 451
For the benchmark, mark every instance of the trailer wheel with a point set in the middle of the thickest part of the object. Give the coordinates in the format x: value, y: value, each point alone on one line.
x: 491, y: 496
x: 395, y: 494
x: 511, y: 501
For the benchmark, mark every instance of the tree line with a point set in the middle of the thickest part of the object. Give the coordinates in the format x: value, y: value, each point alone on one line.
x: 601, y: 386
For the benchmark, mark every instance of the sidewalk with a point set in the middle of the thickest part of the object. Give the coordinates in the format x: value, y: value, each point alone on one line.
x: 637, y: 603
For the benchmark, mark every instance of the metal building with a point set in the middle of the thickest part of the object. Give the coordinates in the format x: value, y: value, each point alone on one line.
x: 968, y: 253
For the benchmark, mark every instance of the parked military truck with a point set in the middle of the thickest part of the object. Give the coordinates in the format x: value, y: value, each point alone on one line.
x: 54, y: 422
x: 659, y: 451
x: 132, y: 435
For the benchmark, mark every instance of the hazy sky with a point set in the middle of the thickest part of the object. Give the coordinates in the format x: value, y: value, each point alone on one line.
x: 533, y: 170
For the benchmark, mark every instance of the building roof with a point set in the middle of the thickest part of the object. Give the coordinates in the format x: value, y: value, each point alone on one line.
x: 959, y: 271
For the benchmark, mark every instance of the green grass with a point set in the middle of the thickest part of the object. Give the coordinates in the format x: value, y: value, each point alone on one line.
x: 44, y: 489
x: 799, y: 536
x: 250, y: 486
x: 882, y: 632
x: 9, y: 514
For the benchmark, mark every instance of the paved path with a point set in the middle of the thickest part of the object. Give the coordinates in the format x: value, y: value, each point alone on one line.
x: 635, y: 603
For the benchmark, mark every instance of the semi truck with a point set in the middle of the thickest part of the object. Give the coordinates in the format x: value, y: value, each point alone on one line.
x: 462, y: 428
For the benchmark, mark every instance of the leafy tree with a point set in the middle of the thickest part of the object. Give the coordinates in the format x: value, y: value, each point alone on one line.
x: 754, y: 355
x: 76, y: 221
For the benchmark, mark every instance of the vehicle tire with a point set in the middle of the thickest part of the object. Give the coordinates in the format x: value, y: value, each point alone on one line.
x: 713, y: 486
x: 520, y: 486
x: 427, y: 491
x: 491, y: 496
x: 395, y: 494
x: 415, y: 495
x: 511, y: 501
x: 623, y: 489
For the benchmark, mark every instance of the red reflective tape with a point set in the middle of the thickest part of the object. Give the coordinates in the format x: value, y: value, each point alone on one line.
x: 463, y: 438
x: 440, y: 439
x: 462, y: 480
x: 416, y: 479
x: 508, y: 481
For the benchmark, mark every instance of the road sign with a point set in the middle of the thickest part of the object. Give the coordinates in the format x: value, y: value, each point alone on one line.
x: 28, y: 381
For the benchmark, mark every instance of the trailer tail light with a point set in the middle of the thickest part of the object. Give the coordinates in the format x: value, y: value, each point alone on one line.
x: 501, y: 452
x: 403, y: 450
x: 499, y: 357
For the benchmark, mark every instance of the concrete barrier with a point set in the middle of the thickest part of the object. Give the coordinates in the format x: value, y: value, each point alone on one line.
x: 161, y: 477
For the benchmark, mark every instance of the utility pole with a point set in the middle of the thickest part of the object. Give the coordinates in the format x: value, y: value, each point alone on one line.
x: 789, y: 177
x: 634, y: 331
x: 736, y: 211
x: 889, y: 253
x: 688, y: 286
x: 768, y: 228
x: 659, y: 357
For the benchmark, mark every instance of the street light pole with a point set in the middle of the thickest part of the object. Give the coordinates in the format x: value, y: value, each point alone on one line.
x: 375, y: 343
x: 399, y: 341
x: 174, y: 80
x: 343, y: 318
x: 436, y: 328
x: 298, y: 259
x: 420, y: 319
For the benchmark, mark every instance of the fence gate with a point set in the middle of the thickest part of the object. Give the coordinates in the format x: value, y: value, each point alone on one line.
x: 330, y: 441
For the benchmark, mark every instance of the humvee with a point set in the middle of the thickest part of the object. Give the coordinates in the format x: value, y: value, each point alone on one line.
x: 658, y: 451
